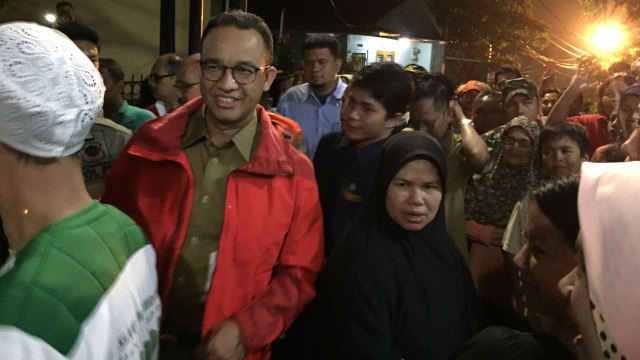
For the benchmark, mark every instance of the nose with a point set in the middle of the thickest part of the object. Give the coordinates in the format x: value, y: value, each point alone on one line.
x: 350, y: 112
x: 414, y: 197
x: 521, y: 260
x: 521, y: 108
x: 558, y: 156
x: 227, y: 82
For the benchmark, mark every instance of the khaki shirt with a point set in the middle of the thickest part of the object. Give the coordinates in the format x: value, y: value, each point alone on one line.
x: 211, y: 165
x: 458, y: 175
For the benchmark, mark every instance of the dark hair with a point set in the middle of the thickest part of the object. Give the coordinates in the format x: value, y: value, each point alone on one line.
x: 504, y: 70
x: 388, y: 83
x: 323, y: 41
x: 63, y: 3
x: 628, y: 79
x: 619, y: 67
x: 172, y: 62
x: 113, y: 68
x: 243, y: 21
x: 490, y: 95
x: 436, y: 86
x: 573, y: 131
x: 77, y: 31
x: 558, y: 200
x: 552, y: 91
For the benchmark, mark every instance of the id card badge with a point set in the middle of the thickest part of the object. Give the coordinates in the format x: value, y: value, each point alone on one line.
x: 213, y: 258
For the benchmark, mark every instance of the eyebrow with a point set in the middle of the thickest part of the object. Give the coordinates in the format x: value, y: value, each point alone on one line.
x: 243, y: 62
x: 432, y: 182
x: 362, y: 102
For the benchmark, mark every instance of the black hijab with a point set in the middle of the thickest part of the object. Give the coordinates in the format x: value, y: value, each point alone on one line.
x: 389, y: 293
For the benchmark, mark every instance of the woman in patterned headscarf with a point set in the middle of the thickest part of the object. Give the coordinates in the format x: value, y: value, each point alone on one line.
x: 489, y: 202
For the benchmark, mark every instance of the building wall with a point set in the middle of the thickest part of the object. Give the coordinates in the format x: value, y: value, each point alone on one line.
x: 129, y: 30
x: 405, y: 51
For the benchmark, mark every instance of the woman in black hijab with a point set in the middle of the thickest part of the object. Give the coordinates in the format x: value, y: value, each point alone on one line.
x: 397, y: 286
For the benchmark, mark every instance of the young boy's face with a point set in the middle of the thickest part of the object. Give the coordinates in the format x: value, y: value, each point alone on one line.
x: 365, y: 120
x: 561, y: 158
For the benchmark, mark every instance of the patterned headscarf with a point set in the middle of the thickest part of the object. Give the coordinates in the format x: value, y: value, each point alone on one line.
x: 493, y: 194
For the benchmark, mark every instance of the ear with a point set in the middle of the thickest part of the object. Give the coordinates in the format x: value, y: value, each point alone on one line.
x: 120, y: 86
x: 394, y: 120
x: 338, y: 65
x: 269, y: 75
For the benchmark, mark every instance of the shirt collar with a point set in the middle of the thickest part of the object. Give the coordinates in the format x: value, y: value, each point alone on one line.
x: 337, y: 92
x: 243, y: 139
x: 123, y: 107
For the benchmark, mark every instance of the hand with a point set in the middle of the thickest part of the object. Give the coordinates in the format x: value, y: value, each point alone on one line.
x: 225, y: 342
x: 585, y: 77
x: 456, y: 110
x: 549, y: 76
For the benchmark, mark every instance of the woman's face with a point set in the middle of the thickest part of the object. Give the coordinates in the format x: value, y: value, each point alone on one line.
x: 517, y: 147
x: 628, y: 114
x: 545, y: 259
x: 631, y: 147
x: 611, y: 96
x: 414, y: 195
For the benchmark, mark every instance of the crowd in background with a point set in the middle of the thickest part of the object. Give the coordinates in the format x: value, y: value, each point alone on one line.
x: 241, y: 213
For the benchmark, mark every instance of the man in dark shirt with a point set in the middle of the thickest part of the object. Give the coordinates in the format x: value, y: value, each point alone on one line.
x: 345, y: 162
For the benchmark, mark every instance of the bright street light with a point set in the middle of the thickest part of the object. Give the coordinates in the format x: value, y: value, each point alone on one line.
x: 50, y: 18
x: 608, y: 38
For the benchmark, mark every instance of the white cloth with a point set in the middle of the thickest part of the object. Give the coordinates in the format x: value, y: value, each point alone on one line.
x: 50, y: 92
x: 609, y: 206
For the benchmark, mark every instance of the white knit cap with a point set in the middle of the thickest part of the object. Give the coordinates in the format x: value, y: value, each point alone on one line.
x: 50, y: 92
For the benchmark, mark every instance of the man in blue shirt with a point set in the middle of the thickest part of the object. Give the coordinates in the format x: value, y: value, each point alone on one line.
x: 315, y: 105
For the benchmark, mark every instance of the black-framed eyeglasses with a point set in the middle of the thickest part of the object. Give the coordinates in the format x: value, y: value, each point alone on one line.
x: 156, y: 77
x: 510, y: 141
x: 185, y: 86
x: 243, y: 74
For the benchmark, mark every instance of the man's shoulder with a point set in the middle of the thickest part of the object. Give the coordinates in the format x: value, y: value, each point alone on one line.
x: 138, y: 113
x: 586, y: 119
x: 110, y: 126
x: 165, y: 133
x: 296, y: 93
x: 333, y: 141
x: 60, y: 276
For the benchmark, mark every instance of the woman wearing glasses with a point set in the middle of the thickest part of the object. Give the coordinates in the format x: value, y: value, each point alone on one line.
x: 489, y: 202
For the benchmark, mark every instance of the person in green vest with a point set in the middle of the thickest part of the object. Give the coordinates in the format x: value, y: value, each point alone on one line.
x: 80, y: 279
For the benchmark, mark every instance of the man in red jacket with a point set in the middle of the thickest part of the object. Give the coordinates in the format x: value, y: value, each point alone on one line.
x: 230, y: 206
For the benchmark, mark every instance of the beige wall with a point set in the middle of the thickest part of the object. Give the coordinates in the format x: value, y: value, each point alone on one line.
x: 129, y: 30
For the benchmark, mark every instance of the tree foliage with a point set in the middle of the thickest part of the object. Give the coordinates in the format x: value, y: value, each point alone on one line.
x: 285, y: 59
x: 473, y: 27
x: 601, y: 7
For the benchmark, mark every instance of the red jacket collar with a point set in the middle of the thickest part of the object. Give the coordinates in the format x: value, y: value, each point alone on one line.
x: 161, y: 139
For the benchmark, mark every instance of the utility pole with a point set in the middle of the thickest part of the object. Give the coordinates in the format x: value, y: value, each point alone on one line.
x: 167, y: 26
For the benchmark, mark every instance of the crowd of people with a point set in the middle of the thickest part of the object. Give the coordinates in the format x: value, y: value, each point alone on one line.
x: 399, y: 216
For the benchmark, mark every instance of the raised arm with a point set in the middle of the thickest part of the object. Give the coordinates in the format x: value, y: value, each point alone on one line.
x: 475, y: 150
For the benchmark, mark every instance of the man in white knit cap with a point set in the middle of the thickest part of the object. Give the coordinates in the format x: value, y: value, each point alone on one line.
x: 80, y: 280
